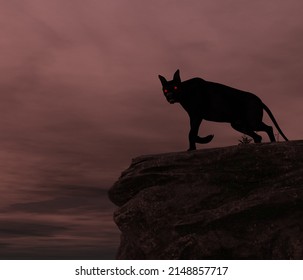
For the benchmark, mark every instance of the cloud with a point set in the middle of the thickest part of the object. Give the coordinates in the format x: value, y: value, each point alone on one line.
x: 81, y: 80
x: 19, y: 228
x: 76, y: 199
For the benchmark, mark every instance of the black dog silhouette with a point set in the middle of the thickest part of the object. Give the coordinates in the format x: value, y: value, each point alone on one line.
x: 219, y: 103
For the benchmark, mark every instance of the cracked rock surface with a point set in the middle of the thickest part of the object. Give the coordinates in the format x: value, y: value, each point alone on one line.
x: 238, y: 202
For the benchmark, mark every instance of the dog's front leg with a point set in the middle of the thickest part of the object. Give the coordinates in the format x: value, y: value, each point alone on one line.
x: 193, y: 134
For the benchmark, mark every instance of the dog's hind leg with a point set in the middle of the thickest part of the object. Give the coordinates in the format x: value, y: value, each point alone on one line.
x: 246, y: 130
x: 268, y: 129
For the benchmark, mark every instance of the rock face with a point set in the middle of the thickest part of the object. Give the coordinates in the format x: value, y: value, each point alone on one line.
x: 239, y: 202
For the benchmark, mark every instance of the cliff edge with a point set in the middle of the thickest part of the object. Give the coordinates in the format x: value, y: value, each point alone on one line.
x: 239, y: 202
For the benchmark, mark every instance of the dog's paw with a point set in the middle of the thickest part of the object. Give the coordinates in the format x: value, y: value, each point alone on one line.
x: 206, y: 139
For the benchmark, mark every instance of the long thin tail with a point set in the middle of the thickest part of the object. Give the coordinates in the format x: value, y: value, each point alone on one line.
x: 274, y: 120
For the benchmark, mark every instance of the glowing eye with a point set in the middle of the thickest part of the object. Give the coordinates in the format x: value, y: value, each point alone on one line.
x: 165, y: 91
x: 175, y: 88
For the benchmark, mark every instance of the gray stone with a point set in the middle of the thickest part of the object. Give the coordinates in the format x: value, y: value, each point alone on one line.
x: 239, y: 202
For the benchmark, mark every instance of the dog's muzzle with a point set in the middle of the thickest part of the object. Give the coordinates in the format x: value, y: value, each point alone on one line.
x: 170, y: 98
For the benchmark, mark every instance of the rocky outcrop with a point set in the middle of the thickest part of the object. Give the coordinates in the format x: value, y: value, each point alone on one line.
x: 239, y: 202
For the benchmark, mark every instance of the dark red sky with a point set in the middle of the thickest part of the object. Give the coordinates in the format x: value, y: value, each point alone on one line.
x: 79, y: 85
x: 87, y: 72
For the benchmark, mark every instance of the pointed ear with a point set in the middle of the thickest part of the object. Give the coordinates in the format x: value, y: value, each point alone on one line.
x: 177, y: 76
x: 163, y: 80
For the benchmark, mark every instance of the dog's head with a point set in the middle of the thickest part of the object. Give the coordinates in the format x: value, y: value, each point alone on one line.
x: 172, y: 89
